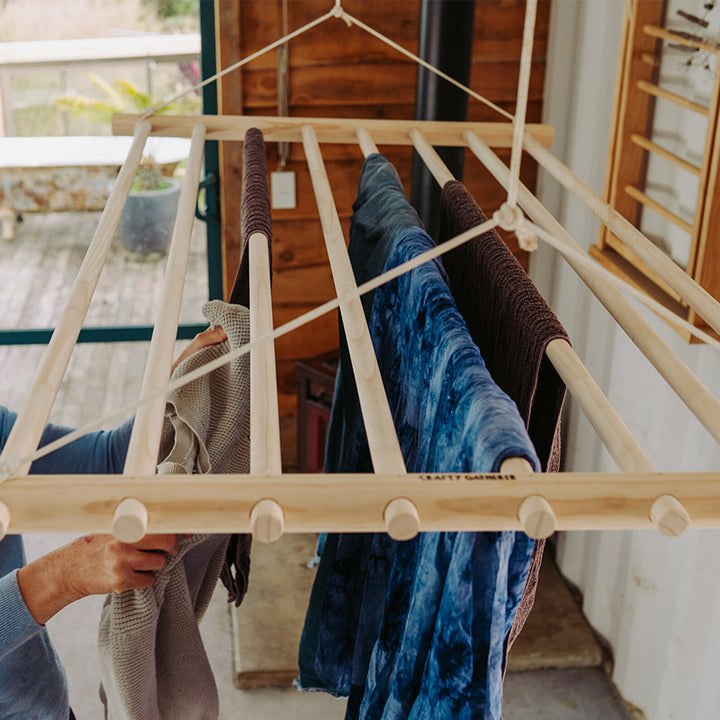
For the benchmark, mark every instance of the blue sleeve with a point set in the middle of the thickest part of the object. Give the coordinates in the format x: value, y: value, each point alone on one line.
x: 102, y: 451
x: 18, y: 624
x: 98, y: 452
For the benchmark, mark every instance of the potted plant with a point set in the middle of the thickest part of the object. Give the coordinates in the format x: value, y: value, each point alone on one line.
x: 147, y: 222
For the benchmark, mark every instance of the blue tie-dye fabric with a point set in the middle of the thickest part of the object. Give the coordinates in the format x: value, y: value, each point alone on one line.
x: 417, y: 629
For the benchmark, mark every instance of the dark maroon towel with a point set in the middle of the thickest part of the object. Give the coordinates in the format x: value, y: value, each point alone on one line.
x: 255, y: 216
x: 511, y: 324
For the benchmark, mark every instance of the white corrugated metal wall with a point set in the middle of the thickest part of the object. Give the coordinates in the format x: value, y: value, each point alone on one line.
x: 656, y: 601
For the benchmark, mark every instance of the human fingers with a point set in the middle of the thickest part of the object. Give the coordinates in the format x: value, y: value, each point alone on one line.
x: 163, y: 543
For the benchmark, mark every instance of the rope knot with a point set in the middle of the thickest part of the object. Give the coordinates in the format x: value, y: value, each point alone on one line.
x: 339, y: 12
x: 509, y: 217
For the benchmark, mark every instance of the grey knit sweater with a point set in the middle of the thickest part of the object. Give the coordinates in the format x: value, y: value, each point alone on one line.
x: 152, y: 658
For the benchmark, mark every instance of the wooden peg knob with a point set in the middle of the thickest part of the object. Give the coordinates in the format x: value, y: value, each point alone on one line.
x: 4, y: 519
x: 267, y: 520
x: 402, y: 520
x: 130, y: 521
x: 537, y: 517
x: 669, y: 515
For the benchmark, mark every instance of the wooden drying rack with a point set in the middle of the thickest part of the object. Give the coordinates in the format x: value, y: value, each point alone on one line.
x: 267, y: 502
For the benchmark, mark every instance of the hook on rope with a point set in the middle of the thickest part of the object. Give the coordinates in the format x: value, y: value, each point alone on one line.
x: 509, y: 217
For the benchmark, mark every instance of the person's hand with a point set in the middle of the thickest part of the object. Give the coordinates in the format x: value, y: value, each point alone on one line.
x: 211, y: 336
x: 92, y: 565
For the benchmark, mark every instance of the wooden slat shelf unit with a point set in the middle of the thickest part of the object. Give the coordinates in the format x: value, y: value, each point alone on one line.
x: 632, y: 145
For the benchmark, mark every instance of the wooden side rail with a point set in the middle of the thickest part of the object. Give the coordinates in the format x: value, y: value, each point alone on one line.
x: 289, y: 129
x: 356, y: 502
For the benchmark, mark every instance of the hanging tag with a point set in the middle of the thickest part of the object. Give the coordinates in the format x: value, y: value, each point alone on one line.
x: 282, y: 190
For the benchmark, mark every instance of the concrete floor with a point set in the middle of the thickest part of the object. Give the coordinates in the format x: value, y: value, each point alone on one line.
x: 36, y: 271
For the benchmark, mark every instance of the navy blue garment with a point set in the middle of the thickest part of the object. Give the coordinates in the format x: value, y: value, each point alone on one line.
x: 431, y: 614
x: 381, y: 211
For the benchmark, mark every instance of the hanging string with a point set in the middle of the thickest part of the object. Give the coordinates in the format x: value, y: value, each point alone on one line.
x: 245, y: 60
x: 336, y: 12
x: 589, y: 264
x: 354, y: 21
x: 522, y: 99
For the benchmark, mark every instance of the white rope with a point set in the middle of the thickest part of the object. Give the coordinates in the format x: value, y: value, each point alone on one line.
x: 245, y: 60
x: 522, y: 99
x: 337, y: 12
x: 354, y: 21
x: 588, y: 263
x: 8, y: 467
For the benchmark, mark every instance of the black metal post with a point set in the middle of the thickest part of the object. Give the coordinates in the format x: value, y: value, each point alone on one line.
x: 446, y: 42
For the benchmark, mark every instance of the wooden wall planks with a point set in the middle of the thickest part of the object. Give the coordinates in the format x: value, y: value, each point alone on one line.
x: 336, y: 71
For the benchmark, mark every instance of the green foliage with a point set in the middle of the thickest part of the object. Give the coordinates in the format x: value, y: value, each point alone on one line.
x: 120, y: 96
x: 149, y: 176
x: 165, y: 9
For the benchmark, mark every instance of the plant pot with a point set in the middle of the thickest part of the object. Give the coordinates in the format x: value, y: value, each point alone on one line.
x: 147, y: 222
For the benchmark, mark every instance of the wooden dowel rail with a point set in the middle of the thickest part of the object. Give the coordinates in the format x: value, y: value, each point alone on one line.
x: 144, y: 443
x: 672, y: 97
x: 642, y: 142
x: 366, y: 142
x: 33, y: 416
x: 266, y: 517
x: 382, y: 438
x: 430, y: 157
x: 356, y: 502
x: 290, y: 129
x: 265, y: 455
x: 611, y: 429
x: 678, y: 376
x: 697, y: 297
x: 660, y: 209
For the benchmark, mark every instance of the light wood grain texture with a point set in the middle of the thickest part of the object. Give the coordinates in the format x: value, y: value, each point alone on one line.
x: 626, y: 162
x: 382, y: 438
x: 537, y: 517
x: 660, y: 209
x: 430, y: 157
x: 670, y: 516
x: 356, y: 502
x: 130, y: 520
x: 609, y: 426
x: 683, y: 381
x: 265, y: 455
x: 331, y: 130
x: 401, y: 519
x: 267, y: 520
x: 30, y: 423
x: 145, y: 438
x: 366, y: 142
x: 650, y: 146
x: 4, y: 520
x: 672, y: 97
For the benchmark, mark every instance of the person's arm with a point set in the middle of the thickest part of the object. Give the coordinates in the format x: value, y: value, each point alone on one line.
x: 91, y: 565
x: 95, y: 564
